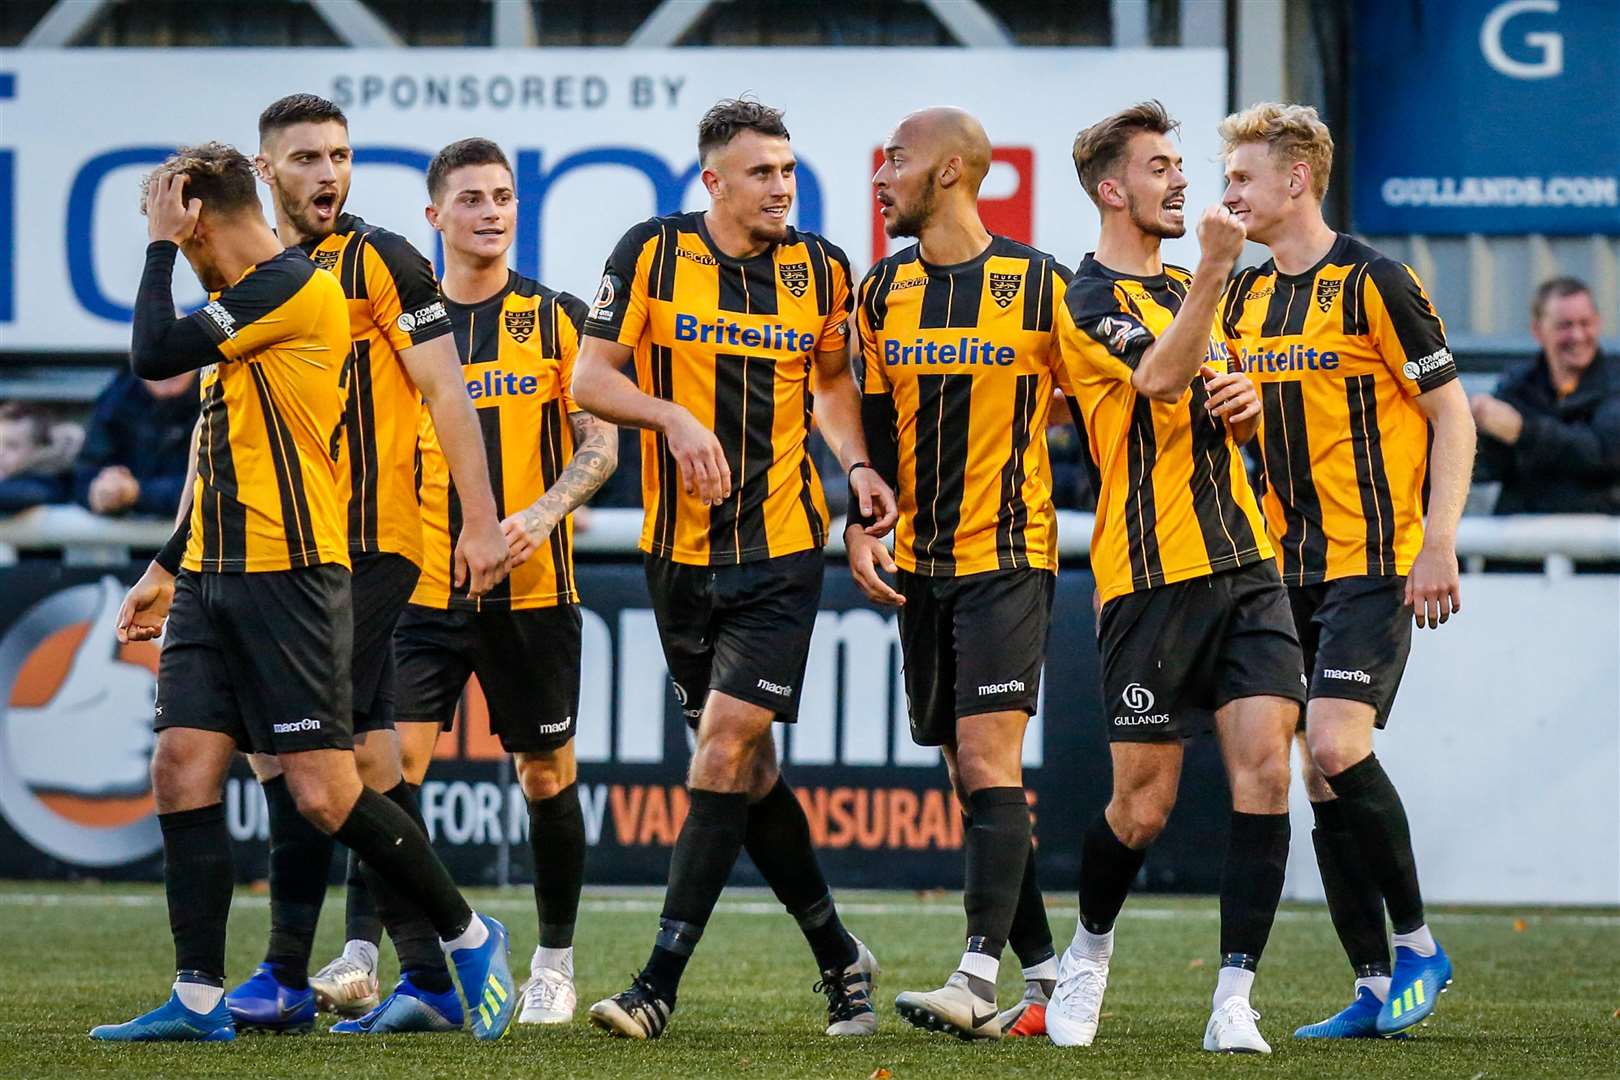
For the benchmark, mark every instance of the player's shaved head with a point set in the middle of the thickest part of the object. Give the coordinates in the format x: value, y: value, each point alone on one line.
x: 943, y: 132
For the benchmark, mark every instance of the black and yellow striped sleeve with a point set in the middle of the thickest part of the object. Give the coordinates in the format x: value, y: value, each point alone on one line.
x: 571, y: 313
x: 405, y: 299
x: 1405, y: 328
x: 619, y: 312
x: 868, y: 320
x: 840, y: 299
x: 1100, y: 334
x: 254, y: 314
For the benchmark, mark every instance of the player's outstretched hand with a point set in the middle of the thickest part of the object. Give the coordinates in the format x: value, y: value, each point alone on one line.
x: 146, y: 605
x: 1433, y: 586
x: 868, y: 554
x: 169, y: 214
x: 481, y: 557
x: 1232, y: 396
x: 1220, y: 236
x: 704, y: 469
x: 873, y: 496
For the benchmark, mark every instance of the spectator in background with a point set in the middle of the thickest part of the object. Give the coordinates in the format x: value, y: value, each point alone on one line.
x: 36, y: 457
x: 136, y: 445
x: 1551, y: 431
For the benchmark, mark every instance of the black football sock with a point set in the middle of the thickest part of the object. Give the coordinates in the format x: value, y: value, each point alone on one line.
x: 557, y: 841
x: 416, y: 943
x: 1107, y: 869
x: 360, y: 920
x: 1374, y: 814
x: 1251, y: 885
x: 996, y: 857
x: 1354, y: 903
x: 395, y: 847
x: 197, y: 877
x: 300, y: 859
x: 778, y: 842
x: 1031, y: 934
x: 705, y: 852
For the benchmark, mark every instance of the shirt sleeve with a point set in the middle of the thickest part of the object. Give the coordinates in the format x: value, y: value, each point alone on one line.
x: 840, y: 301
x: 1098, y: 334
x: 257, y: 311
x: 1405, y: 329
x: 571, y: 315
x: 1060, y: 372
x: 619, y: 312
x: 405, y: 301
x: 874, y: 379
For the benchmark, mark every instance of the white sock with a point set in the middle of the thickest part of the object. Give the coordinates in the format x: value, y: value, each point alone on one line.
x: 1378, y: 984
x: 556, y: 959
x: 1046, y: 969
x: 981, y: 966
x: 1419, y: 941
x: 1233, y: 982
x: 471, y: 938
x: 198, y: 997
x: 361, y: 952
x: 1091, y: 946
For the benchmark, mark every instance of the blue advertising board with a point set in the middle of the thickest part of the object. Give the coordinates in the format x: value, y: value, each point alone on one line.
x: 1486, y: 116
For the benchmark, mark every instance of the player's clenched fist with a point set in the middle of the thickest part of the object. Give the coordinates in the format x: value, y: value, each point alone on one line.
x: 1221, y: 235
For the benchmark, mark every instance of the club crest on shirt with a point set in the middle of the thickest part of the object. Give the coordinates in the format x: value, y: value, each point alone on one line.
x: 795, y: 278
x: 520, y: 324
x: 1326, y: 290
x: 326, y: 259
x: 1003, y: 287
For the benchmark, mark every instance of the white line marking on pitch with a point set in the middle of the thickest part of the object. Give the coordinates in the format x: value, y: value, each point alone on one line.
x: 651, y: 906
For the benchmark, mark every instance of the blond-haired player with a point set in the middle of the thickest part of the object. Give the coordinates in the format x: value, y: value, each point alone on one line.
x: 1356, y: 380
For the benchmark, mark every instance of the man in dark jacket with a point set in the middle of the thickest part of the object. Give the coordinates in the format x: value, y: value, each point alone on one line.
x: 1551, y: 431
x: 136, y: 446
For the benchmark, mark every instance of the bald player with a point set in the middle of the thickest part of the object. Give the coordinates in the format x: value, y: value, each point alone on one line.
x: 960, y: 359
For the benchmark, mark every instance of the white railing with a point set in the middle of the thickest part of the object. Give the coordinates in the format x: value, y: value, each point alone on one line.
x: 1559, y: 542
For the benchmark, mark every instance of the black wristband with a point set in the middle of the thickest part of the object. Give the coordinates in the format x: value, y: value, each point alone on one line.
x: 853, y: 515
x: 174, y: 550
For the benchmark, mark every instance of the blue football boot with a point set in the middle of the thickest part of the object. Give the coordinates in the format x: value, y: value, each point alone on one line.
x: 1358, y: 1020
x: 486, y: 982
x: 1414, y: 989
x: 265, y: 1006
x: 172, y: 1022
x: 409, y: 1008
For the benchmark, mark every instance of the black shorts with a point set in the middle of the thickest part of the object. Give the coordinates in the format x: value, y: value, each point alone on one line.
x: 526, y: 661
x: 743, y: 629
x: 1355, y: 633
x: 261, y: 657
x: 1174, y: 654
x: 972, y: 645
x: 382, y: 584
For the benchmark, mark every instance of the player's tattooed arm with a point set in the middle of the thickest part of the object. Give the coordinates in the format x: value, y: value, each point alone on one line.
x: 596, y: 455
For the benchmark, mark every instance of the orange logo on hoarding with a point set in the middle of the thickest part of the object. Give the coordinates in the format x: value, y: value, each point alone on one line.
x: 77, y: 730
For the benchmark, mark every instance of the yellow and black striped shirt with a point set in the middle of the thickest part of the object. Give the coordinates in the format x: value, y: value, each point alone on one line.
x: 517, y: 357
x: 394, y: 303
x: 1339, y: 352
x: 733, y: 342
x: 967, y: 356
x: 1173, y: 501
x: 267, y: 492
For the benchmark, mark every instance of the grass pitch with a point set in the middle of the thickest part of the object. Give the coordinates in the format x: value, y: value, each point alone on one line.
x: 1537, y: 994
